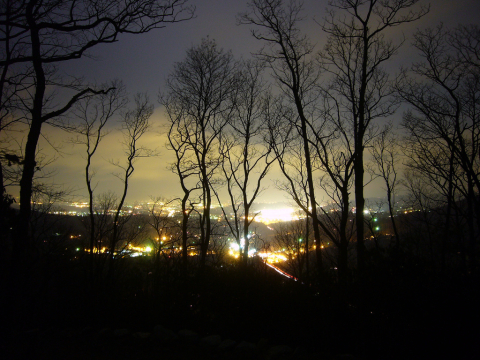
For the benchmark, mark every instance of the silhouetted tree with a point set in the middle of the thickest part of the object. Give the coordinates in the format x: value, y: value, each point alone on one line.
x: 443, y: 127
x: 246, y: 153
x: 166, y: 241
x: 41, y: 34
x: 335, y: 158
x: 134, y: 125
x: 289, y: 55
x: 354, y: 55
x: 386, y: 154
x: 292, y: 239
x: 199, y: 103
x: 107, y: 222
x: 185, y: 169
x: 93, y: 114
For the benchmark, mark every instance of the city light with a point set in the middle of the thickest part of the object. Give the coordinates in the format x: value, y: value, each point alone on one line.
x: 268, y: 216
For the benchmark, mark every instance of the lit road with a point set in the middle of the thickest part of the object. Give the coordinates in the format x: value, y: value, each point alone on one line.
x: 280, y: 271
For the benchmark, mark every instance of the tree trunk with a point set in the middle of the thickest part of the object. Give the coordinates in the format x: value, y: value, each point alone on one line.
x: 311, y: 186
x: 245, y: 234
x: 359, y: 131
x: 23, y: 245
x: 359, y: 215
x: 185, y: 217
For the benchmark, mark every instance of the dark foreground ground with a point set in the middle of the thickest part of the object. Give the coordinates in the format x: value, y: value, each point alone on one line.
x: 122, y: 344
x: 256, y: 315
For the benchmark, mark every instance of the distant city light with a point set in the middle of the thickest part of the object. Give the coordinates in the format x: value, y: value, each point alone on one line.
x: 268, y: 216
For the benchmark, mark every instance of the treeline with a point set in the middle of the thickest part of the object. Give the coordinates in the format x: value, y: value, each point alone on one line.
x: 324, y: 120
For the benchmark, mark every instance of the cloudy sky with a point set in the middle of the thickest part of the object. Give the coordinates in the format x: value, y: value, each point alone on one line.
x: 143, y: 62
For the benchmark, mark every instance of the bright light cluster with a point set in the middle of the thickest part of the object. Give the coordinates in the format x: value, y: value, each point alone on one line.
x: 235, y: 249
x: 269, y: 216
x: 272, y: 258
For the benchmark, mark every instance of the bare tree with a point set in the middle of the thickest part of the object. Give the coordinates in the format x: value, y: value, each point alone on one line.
x: 335, y: 159
x: 12, y: 84
x: 42, y: 34
x: 184, y: 167
x: 289, y: 55
x: 246, y: 157
x: 385, y: 152
x: 291, y: 238
x: 103, y: 206
x: 164, y: 226
x: 166, y: 242
x: 94, y: 113
x: 354, y: 55
x: 44, y: 203
x: 307, y: 131
x: 135, y: 124
x: 443, y: 125
x: 199, y: 103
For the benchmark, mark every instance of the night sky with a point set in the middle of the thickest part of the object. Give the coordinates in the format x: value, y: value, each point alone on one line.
x: 143, y: 62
